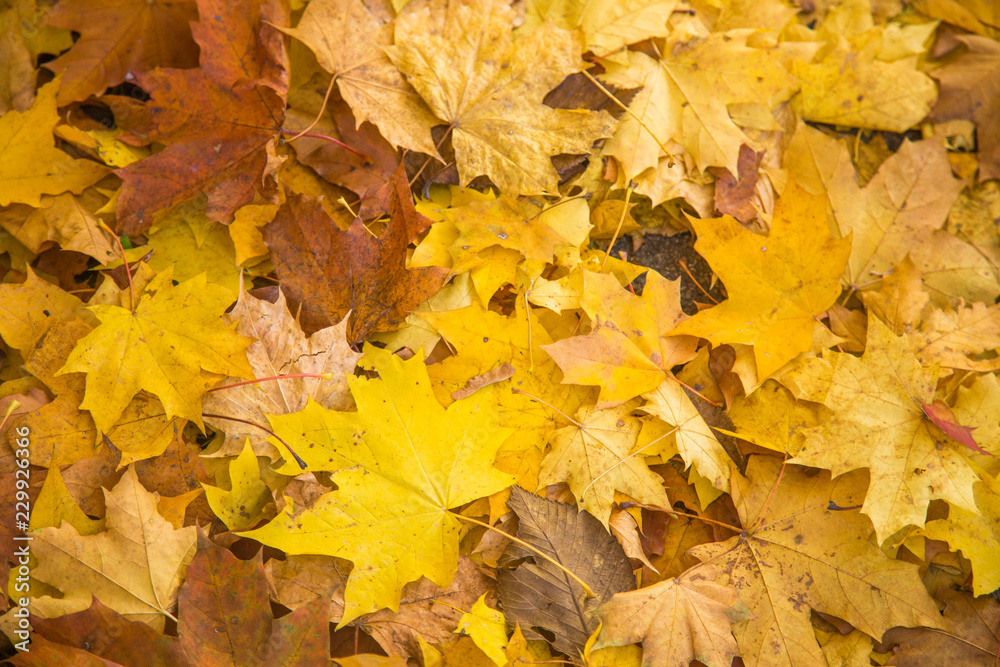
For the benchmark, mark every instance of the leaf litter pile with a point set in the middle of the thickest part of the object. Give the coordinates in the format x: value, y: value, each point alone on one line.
x: 320, y: 325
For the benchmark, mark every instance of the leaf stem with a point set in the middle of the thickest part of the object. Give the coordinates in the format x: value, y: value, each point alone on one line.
x: 654, y: 508
x: 322, y: 376
x: 324, y: 137
x: 322, y: 110
x: 590, y: 593
x: 760, y: 517
x: 437, y: 147
x: 128, y: 271
x: 621, y: 221
x: 684, y: 265
x: 302, y: 464
x: 551, y: 407
x: 14, y: 405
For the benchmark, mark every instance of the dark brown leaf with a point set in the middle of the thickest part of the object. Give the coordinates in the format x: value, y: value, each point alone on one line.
x: 536, y: 594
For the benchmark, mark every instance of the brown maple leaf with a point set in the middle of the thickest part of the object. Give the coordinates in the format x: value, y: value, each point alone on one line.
x: 118, y: 39
x: 331, y: 272
x: 219, y: 121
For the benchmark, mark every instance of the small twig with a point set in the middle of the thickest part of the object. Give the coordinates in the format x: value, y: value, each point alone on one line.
x: 694, y: 391
x: 298, y: 459
x: 437, y: 147
x: 586, y: 588
x: 621, y: 221
x: 552, y: 407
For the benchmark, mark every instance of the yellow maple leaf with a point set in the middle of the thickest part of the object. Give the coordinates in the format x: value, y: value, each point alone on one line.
x: 900, y: 211
x: 173, y: 344
x: 608, y: 25
x: 685, y: 97
x: 808, y: 554
x: 777, y: 283
x: 521, y: 226
x: 462, y: 60
x: 135, y: 566
x: 678, y: 620
x: 514, y: 340
x: 367, y: 80
x: 488, y: 630
x: 30, y: 163
x: 29, y: 308
x: 867, y: 76
x: 595, y: 456
x: 626, y: 353
x: 401, y: 463
x: 67, y: 220
x: 878, y: 423
x: 243, y: 503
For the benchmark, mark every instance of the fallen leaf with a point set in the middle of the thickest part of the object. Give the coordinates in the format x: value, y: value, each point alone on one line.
x: 279, y: 348
x: 942, y: 416
x: 150, y: 348
x: 368, y: 81
x: 219, y: 121
x: 502, y: 372
x: 90, y: 629
x: 65, y: 219
x: 970, y: 89
x: 535, y: 593
x: 678, y: 620
x: 428, y: 611
x: 685, y: 98
x: 462, y: 61
x: 146, y: 35
x: 878, y: 423
x: 972, y: 640
x: 226, y: 618
x: 798, y: 554
x: 333, y: 272
x: 135, y: 567
x: 487, y: 629
x: 777, y: 284
x: 32, y: 164
x: 595, y: 455
x: 394, y: 526
x: 862, y: 82
x: 243, y: 504
x: 900, y: 211
x: 608, y: 26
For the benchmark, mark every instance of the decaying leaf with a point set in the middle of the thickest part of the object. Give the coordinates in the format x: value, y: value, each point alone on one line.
x: 480, y: 213
x: 799, y: 553
x: 879, y: 421
x: 677, y: 620
x: 333, y: 272
x: 535, y: 593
